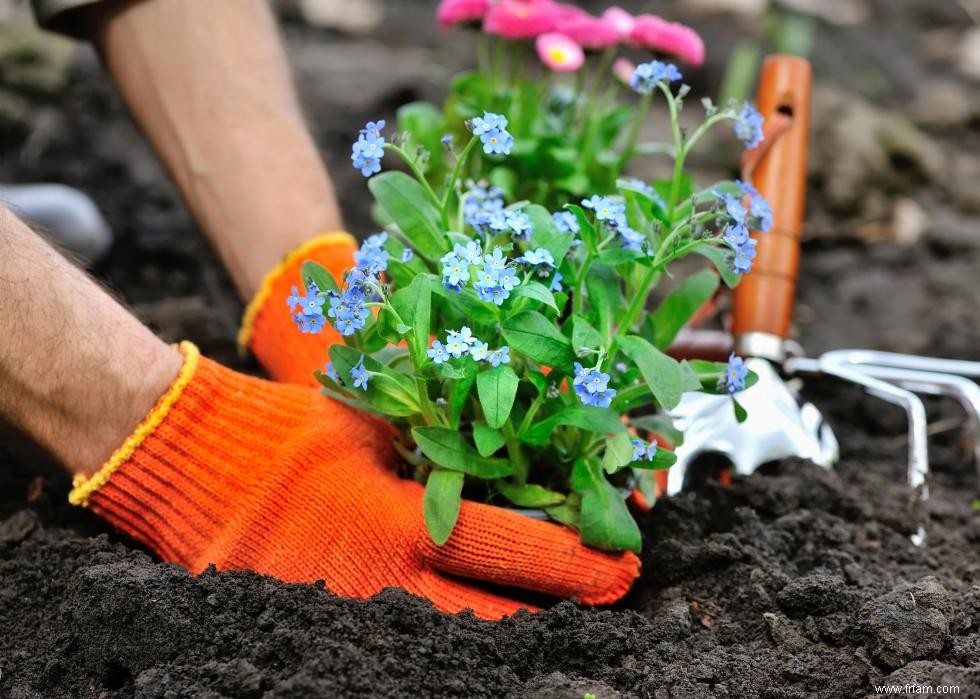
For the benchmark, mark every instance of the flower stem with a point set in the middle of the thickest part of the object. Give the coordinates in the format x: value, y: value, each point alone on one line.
x: 514, y: 451
x: 634, y: 132
x: 419, y: 175
x: 450, y: 188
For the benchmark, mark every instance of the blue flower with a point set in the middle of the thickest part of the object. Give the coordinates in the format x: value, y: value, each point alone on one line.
x: 507, y: 279
x: 368, y: 149
x: 372, y: 257
x: 437, y: 353
x: 629, y: 239
x: 447, y: 141
x: 454, y: 270
x: 748, y: 126
x: 495, y: 260
x: 642, y: 450
x: 471, y: 253
x: 479, y: 350
x: 466, y: 336
x: 309, y: 324
x: 747, y: 188
x: 592, y: 387
x: 407, y: 255
x: 520, y: 223
x: 495, y: 294
x: 761, y: 213
x: 492, y: 130
x: 744, y: 255
x: 647, y: 75
x: 565, y: 221
x: 735, y: 374
x: 455, y: 345
x: 599, y: 399
x: 499, y: 356
x: 539, y: 256
x: 360, y: 375
x: 497, y: 221
x: 736, y: 236
x: 331, y: 372
x: 294, y: 299
x: 605, y: 208
x: 555, y: 282
x: 732, y: 205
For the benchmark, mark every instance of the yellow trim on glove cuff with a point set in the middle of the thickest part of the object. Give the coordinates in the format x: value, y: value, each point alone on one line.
x: 85, y: 486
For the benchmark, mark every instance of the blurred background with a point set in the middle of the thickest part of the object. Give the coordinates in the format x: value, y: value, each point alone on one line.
x: 892, y: 252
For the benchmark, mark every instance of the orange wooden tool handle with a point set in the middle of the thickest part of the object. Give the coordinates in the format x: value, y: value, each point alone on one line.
x: 764, y: 299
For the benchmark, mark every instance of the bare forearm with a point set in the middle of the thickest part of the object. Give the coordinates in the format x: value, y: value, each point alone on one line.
x: 77, y: 372
x: 209, y: 84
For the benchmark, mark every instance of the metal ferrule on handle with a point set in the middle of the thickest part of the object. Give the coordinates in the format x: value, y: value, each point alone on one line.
x: 763, y: 303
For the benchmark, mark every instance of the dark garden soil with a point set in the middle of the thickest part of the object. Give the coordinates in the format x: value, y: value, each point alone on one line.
x: 795, y: 582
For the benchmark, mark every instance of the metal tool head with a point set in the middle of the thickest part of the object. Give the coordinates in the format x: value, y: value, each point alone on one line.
x: 779, y: 425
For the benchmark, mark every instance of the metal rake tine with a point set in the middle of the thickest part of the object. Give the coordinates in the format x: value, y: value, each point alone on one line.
x: 933, y: 383
x: 911, y: 362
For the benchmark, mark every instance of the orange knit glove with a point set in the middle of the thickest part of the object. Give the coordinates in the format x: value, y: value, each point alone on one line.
x: 268, y: 329
x: 247, y: 474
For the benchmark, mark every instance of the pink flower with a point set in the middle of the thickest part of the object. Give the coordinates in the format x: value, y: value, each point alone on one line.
x: 656, y: 34
x: 521, y: 19
x: 590, y: 32
x: 452, y: 12
x: 623, y: 70
x: 559, y: 53
x: 566, y: 12
x: 620, y: 20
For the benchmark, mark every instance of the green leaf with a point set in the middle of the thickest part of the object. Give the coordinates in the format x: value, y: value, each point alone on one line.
x: 661, y: 373
x: 449, y: 449
x: 315, y: 272
x: 533, y: 335
x: 568, y: 512
x: 546, y: 235
x: 619, y: 257
x: 488, y: 440
x: 459, y: 392
x: 388, y: 391
x: 586, y: 229
x: 387, y: 326
x: 538, y: 292
x: 740, y: 414
x: 497, y: 389
x: 425, y: 124
x: 441, y: 503
x: 529, y: 495
x: 660, y: 425
x: 408, y: 205
x: 722, y: 259
x: 414, y: 305
x: 466, y: 304
x: 604, y: 521
x: 618, y: 454
x: 690, y: 381
x: 584, y: 417
x: 663, y: 459
x: 604, y: 295
x: 584, y: 335
x: 681, y: 304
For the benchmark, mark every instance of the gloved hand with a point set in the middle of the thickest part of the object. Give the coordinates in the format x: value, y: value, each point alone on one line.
x: 268, y: 329
x: 247, y: 474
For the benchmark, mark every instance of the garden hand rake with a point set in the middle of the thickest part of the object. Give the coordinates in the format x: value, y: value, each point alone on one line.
x: 780, y: 425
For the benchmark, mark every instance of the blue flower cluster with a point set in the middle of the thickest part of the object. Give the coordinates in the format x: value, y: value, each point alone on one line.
x: 543, y: 262
x: 592, y: 387
x: 736, y: 219
x: 492, y: 130
x: 748, y: 126
x: 643, y: 450
x: 372, y: 257
x: 735, y: 374
x: 612, y: 213
x: 647, y: 75
x: 307, y: 309
x: 479, y: 204
x: 495, y: 280
x: 348, y: 308
x: 462, y: 342
x: 369, y: 148
x: 565, y: 222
